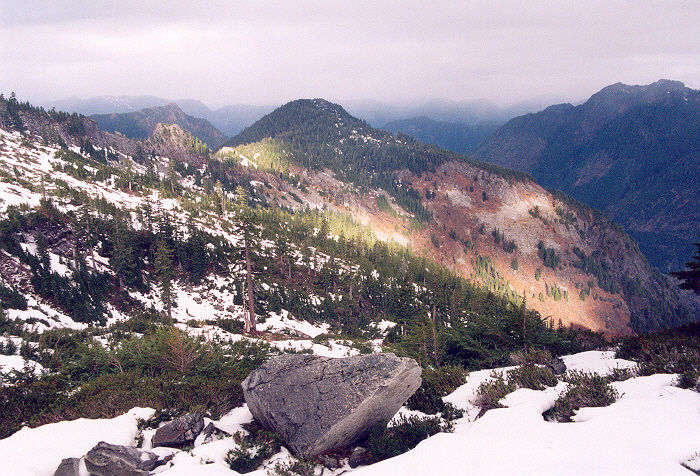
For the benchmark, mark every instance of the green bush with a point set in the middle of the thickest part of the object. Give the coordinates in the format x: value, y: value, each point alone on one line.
x: 166, y: 370
x: 386, y: 442
x: 672, y: 351
x: 688, y: 379
x: 531, y: 356
x: 436, y: 383
x: 253, y: 448
x: 528, y: 375
x: 582, y: 390
x: 620, y: 374
x: 533, y: 377
x: 489, y: 393
x: 293, y: 468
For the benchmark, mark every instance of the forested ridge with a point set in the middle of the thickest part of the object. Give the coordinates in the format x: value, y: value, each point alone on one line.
x: 629, y: 151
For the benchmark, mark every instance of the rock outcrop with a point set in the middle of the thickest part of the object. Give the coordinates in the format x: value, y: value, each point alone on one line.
x: 319, y: 403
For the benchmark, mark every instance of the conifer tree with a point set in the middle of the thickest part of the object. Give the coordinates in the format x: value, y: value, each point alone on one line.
x: 165, y: 273
x: 690, y: 276
x: 122, y: 259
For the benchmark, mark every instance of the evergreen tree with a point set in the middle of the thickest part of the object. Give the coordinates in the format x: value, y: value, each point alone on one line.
x: 164, y: 271
x: 196, y: 253
x: 690, y: 276
x: 122, y: 260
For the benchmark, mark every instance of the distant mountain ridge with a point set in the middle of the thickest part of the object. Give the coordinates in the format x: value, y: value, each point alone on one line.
x: 454, y: 136
x: 630, y: 151
x: 230, y: 120
x: 141, y: 124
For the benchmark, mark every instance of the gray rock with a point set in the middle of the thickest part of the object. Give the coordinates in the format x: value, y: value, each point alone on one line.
x: 179, y: 432
x: 328, y: 461
x: 359, y: 457
x: 558, y: 366
x: 114, y: 460
x: 68, y: 467
x: 318, y: 403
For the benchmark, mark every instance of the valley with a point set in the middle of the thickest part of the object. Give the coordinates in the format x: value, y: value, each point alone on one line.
x: 159, y: 272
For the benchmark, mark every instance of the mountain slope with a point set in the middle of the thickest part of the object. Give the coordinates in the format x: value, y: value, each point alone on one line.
x: 141, y: 124
x: 471, y: 211
x: 630, y: 151
x: 491, y: 226
x: 454, y: 136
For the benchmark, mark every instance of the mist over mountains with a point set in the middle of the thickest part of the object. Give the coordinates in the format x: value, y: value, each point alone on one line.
x: 232, y: 119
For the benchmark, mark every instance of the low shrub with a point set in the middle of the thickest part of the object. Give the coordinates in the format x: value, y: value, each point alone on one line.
x: 436, y: 383
x: 293, y: 468
x: 620, y: 374
x: 165, y: 370
x: 688, y: 379
x: 386, y: 442
x: 529, y: 375
x: 533, y: 377
x: 531, y: 356
x: 253, y: 448
x: 492, y: 391
x: 582, y: 390
x: 670, y: 351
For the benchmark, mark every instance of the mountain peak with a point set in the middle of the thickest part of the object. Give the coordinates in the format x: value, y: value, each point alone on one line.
x: 618, y: 97
x: 141, y: 124
x: 301, y: 117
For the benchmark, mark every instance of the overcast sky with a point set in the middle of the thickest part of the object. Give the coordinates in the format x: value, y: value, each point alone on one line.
x: 270, y: 52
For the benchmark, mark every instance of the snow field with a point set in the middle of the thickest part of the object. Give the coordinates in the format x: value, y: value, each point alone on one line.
x: 652, y: 429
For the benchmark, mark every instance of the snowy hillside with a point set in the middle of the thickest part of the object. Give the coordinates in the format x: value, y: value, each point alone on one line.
x: 128, y: 281
x: 651, y: 429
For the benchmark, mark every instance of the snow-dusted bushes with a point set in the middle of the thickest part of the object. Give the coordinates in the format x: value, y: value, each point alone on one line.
x: 671, y: 351
x: 529, y: 375
x: 253, y: 448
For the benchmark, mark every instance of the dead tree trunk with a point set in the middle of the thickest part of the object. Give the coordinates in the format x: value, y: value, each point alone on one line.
x: 250, y: 317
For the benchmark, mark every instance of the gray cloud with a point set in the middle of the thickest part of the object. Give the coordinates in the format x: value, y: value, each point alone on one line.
x: 274, y: 51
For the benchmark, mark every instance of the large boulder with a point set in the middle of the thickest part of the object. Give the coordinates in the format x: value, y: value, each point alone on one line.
x: 319, y: 403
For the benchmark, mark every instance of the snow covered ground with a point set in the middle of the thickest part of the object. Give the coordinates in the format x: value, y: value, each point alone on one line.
x: 653, y: 429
